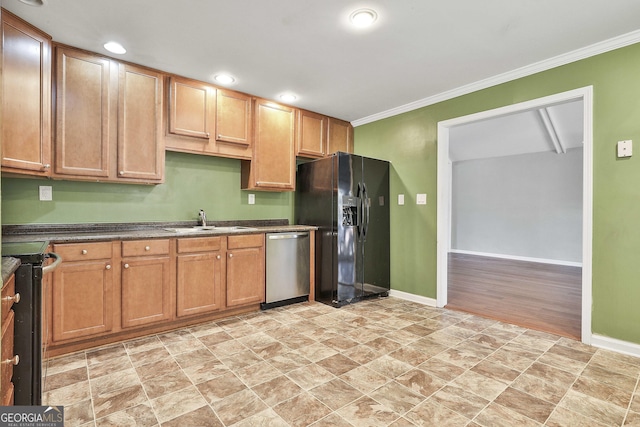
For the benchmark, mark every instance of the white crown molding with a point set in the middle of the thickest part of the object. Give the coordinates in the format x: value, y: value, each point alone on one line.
x: 567, y: 58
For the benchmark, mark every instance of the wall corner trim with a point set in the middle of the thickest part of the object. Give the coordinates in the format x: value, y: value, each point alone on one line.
x: 619, y: 346
x: 412, y: 297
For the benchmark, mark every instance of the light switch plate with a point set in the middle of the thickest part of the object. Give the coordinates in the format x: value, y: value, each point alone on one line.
x: 421, y: 199
x: 252, y: 199
x: 46, y: 193
x: 625, y: 148
x: 401, y: 199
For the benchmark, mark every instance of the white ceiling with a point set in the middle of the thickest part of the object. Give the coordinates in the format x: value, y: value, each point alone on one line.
x: 520, y: 133
x: 417, y: 49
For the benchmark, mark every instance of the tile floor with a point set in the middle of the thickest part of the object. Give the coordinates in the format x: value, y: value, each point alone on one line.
x: 383, y: 362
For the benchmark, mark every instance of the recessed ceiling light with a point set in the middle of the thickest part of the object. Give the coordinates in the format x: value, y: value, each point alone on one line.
x: 115, y: 47
x: 34, y: 2
x: 288, y: 97
x: 362, y: 18
x: 224, y: 79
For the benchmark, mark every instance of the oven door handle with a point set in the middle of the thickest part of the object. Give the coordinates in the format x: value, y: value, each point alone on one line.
x: 49, y: 268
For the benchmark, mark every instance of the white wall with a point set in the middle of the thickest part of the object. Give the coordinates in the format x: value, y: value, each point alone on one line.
x: 526, y: 205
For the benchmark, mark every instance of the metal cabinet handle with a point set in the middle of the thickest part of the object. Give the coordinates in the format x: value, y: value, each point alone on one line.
x: 121, y: 173
x: 108, y: 267
x: 15, y: 298
x: 126, y: 266
x: 207, y: 135
x: 147, y: 248
x: 218, y: 257
x: 13, y: 361
x: 230, y: 255
x: 84, y: 252
x: 47, y: 166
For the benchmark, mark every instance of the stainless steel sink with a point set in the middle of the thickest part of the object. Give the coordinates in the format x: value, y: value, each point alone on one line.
x: 209, y: 228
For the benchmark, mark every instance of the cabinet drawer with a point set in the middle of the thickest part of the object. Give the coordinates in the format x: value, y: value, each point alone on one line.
x: 145, y: 247
x: 246, y: 241
x: 199, y: 244
x: 83, y: 251
x: 8, y: 295
x: 7, y: 350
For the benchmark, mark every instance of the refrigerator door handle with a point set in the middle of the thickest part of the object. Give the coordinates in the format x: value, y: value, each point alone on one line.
x: 360, y: 210
x: 366, y: 203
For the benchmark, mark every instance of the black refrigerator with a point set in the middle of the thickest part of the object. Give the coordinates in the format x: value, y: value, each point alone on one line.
x: 347, y: 197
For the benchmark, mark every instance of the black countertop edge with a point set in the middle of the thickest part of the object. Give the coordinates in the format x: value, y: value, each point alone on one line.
x: 115, y: 227
x: 9, y: 266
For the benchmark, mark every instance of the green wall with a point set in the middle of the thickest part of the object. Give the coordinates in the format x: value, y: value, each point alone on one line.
x: 192, y: 182
x: 409, y: 142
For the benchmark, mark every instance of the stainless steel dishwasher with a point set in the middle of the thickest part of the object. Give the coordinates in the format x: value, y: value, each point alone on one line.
x: 287, y: 268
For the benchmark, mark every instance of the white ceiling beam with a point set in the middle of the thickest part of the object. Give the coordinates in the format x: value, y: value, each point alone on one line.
x: 551, y: 131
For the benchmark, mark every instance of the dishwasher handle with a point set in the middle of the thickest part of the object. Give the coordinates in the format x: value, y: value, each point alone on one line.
x: 282, y: 236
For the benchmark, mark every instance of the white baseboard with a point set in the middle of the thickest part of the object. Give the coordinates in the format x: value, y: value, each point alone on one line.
x: 431, y: 302
x: 616, y: 345
x: 518, y: 258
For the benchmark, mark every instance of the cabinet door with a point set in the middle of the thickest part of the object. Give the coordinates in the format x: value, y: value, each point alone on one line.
x: 140, y: 146
x: 26, y: 98
x: 339, y: 136
x: 200, y: 281
x: 273, y: 164
x: 191, y: 108
x: 146, y: 291
x: 311, y: 134
x: 83, y: 100
x: 245, y: 276
x: 233, y: 120
x: 82, y: 300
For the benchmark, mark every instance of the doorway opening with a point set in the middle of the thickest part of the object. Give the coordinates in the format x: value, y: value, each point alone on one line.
x: 445, y: 193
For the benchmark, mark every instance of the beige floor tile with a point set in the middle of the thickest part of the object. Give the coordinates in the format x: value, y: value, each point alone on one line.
x: 525, y: 404
x: 364, y: 379
x: 461, y: 401
x: 431, y: 413
x: 389, y: 366
x: 65, y: 378
x: 118, y: 400
x: 332, y: 420
x: 175, y: 404
x: 338, y: 364
x: 201, y: 417
x: 266, y: 418
x: 220, y: 387
x: 335, y: 394
x: 277, y: 390
x: 367, y: 412
x: 238, y: 406
x: 205, y: 371
x: 257, y: 373
x: 68, y: 395
x: 310, y: 376
x: 421, y: 382
x: 302, y: 410
x: 397, y: 397
x: 164, y: 384
x: 137, y: 416
x: 479, y: 385
x: 114, y: 381
x: 596, y: 409
x: 496, y: 415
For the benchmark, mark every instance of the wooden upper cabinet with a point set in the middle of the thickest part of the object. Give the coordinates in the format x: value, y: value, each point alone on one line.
x: 140, y: 148
x: 273, y: 164
x: 108, y: 119
x: 311, y: 136
x: 26, y: 98
x: 191, y: 108
x: 83, y: 101
x: 234, y: 123
x: 339, y: 136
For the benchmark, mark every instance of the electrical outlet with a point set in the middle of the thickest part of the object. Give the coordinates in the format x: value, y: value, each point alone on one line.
x: 252, y: 199
x: 625, y: 148
x: 400, y: 199
x: 46, y: 193
x: 421, y: 199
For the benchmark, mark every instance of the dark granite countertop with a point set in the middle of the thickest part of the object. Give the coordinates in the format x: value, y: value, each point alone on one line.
x: 9, y: 266
x: 68, y: 233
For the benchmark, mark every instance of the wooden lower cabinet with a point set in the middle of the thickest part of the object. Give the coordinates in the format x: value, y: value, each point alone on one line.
x: 245, y: 270
x: 9, y: 359
x: 146, y: 291
x: 200, y: 275
x: 82, y: 299
x: 107, y: 291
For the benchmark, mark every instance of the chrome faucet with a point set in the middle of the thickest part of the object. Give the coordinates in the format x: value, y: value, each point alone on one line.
x: 202, y: 218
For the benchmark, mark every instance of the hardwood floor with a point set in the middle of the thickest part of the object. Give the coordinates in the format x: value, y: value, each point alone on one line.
x: 538, y: 296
